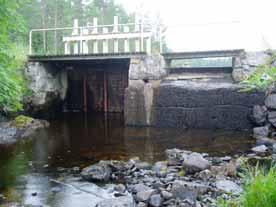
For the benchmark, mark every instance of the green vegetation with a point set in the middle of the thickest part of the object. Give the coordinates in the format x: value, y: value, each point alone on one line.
x: 11, y: 57
x: 259, y: 189
x: 263, y: 78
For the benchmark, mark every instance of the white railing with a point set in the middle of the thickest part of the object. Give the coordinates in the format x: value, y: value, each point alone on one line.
x: 95, y: 39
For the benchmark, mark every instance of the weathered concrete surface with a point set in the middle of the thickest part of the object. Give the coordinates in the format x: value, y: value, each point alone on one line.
x: 47, y: 86
x: 149, y: 67
x: 138, y: 102
x: 210, y: 103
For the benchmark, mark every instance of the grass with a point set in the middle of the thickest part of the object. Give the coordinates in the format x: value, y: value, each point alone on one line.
x: 263, y: 78
x: 259, y: 189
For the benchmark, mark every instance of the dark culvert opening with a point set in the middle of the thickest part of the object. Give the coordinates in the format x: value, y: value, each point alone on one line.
x: 96, y: 86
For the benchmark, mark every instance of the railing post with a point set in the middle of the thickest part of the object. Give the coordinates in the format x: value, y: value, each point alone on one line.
x: 76, y: 32
x: 95, y: 31
x: 30, y: 42
x: 137, y: 40
x: 66, y: 48
x: 116, y: 30
x: 85, y: 42
x: 126, y: 41
x: 105, y: 41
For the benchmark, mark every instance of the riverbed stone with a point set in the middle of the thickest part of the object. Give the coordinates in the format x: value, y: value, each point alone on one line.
x: 188, y: 190
x: 272, y: 117
x: 139, y: 187
x: 144, y: 196
x: 274, y: 148
x: 123, y: 201
x: 143, y: 165
x: 265, y: 141
x: 97, y: 172
x: 166, y: 195
x: 160, y: 167
x: 262, y: 149
x: 270, y: 101
x: 195, y: 163
x: 155, y: 200
x: 227, y: 186
x: 262, y: 131
x: 176, y: 156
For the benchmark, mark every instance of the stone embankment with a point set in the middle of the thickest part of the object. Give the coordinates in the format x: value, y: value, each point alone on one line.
x: 264, y: 117
x: 186, y: 178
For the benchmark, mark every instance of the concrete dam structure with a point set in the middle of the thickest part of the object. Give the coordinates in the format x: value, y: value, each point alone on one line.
x: 146, y: 89
x: 121, y: 68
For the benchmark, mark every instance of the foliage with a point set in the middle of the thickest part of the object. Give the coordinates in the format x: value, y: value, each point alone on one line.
x: 263, y: 78
x: 259, y: 189
x: 11, y: 56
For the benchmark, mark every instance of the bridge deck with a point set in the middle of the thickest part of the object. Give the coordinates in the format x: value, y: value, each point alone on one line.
x: 80, y: 57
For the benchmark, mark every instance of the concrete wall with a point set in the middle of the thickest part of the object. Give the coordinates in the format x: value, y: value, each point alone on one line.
x: 190, y: 104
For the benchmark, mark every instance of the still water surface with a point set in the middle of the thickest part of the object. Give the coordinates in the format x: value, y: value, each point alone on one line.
x: 28, y: 170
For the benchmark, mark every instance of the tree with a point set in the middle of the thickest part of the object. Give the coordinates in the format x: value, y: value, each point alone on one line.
x: 11, y: 84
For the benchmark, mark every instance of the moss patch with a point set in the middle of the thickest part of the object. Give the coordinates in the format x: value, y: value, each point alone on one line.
x: 22, y: 121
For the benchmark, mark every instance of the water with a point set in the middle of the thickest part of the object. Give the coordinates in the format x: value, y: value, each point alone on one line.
x: 33, y: 166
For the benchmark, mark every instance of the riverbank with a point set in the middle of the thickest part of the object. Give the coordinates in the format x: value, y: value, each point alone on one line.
x: 20, y: 128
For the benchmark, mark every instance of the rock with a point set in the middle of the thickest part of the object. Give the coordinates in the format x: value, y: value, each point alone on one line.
x: 144, y: 196
x: 96, y: 172
x: 155, y: 200
x: 123, y: 201
x: 47, y: 87
x: 227, y: 186
x: 142, y: 204
x: 272, y: 117
x: 166, y: 195
x: 239, y: 74
x: 259, y: 114
x: 183, y: 190
x: 261, y: 131
x: 160, y: 168
x: 274, y: 148
x: 195, y: 163
x: 262, y: 149
x: 270, y: 101
x: 143, y: 165
x: 205, y: 175
x: 139, y: 187
x: 176, y: 156
x: 120, y: 188
x: 265, y: 141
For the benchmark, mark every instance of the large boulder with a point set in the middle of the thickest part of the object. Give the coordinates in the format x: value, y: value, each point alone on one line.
x: 123, y: 201
x: 97, y: 172
x: 195, y: 162
x: 270, y: 101
x: 188, y: 190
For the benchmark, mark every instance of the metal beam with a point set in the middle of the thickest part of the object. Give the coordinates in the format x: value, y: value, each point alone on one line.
x: 49, y: 58
x: 202, y: 54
